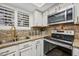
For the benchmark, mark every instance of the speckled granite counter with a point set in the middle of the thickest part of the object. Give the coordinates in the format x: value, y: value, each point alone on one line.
x: 22, y: 41
x: 76, y: 43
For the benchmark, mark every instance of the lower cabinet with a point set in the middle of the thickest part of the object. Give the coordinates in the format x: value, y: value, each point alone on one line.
x: 26, y: 52
x: 9, y: 51
x: 25, y: 49
x: 75, y: 51
x: 32, y: 48
x: 39, y: 47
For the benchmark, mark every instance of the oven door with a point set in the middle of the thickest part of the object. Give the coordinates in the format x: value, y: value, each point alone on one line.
x: 51, y: 49
x: 48, y: 47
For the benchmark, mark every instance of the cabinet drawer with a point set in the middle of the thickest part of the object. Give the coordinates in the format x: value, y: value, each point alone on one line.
x: 8, y: 50
x: 25, y: 45
x: 38, y: 41
x: 26, y: 52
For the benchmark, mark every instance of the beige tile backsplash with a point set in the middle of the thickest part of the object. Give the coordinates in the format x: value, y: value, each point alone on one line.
x: 6, y: 34
x: 67, y: 27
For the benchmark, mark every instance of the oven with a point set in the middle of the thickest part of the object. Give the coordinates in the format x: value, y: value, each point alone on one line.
x: 60, y: 43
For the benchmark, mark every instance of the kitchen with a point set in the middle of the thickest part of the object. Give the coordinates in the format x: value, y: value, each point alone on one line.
x: 39, y: 29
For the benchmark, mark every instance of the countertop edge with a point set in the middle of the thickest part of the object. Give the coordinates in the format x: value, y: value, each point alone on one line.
x: 19, y: 42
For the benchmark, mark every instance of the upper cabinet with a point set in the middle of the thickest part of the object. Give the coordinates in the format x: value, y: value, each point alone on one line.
x: 76, y: 13
x: 45, y: 18
x: 39, y: 19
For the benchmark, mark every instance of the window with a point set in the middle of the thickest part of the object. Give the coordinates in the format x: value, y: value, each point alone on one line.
x: 23, y: 19
x: 6, y: 16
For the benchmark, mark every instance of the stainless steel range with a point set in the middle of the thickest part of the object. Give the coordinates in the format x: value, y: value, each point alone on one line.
x: 62, y: 40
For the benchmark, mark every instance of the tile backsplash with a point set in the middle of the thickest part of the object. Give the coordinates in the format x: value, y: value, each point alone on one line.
x: 7, y: 34
x: 74, y: 27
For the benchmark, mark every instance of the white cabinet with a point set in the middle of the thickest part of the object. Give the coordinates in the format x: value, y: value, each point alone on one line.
x: 76, y: 13
x: 39, y: 18
x: 31, y: 20
x: 45, y: 18
x: 57, y: 7
x: 25, y: 49
x: 33, y: 48
x: 39, y: 47
x: 26, y: 52
x: 37, y: 21
x: 75, y: 51
x: 9, y: 51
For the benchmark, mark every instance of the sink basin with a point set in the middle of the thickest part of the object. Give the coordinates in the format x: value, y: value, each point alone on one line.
x: 6, y: 41
x: 22, y: 38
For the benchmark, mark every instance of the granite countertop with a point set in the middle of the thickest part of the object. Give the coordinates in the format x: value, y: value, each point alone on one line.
x: 32, y: 38
x: 76, y: 43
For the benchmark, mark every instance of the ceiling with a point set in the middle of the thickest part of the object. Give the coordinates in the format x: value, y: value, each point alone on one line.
x: 31, y: 6
x: 39, y: 4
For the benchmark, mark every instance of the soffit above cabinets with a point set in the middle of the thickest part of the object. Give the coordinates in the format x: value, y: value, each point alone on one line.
x: 39, y: 4
x: 31, y: 6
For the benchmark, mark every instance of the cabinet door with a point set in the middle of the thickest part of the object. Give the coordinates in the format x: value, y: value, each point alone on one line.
x: 37, y: 18
x: 38, y: 50
x: 26, y: 52
x: 75, y: 52
x: 76, y: 14
x: 45, y: 18
x: 31, y: 20
x: 12, y: 50
x: 33, y: 48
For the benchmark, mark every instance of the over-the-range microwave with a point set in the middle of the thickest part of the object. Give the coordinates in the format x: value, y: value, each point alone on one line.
x: 62, y: 16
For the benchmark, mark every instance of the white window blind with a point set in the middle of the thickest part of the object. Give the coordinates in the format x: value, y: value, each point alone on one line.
x: 6, y: 16
x: 23, y: 19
